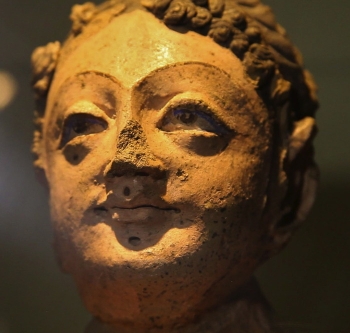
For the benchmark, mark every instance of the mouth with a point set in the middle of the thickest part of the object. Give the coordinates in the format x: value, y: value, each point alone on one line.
x: 101, y: 209
x: 114, y: 203
x: 135, y: 224
x: 147, y: 206
x: 129, y: 213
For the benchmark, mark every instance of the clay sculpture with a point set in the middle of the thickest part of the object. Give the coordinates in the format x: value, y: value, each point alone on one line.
x: 175, y: 138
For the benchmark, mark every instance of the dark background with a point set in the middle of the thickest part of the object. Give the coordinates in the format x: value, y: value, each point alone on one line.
x: 308, y: 284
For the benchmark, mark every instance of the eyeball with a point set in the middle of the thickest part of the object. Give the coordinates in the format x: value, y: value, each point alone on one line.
x: 80, y: 124
x: 191, y: 118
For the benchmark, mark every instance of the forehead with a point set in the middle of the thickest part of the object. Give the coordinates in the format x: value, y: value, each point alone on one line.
x: 135, y: 44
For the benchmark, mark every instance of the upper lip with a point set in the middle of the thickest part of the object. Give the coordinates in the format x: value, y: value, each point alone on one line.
x: 140, y: 202
x: 143, y: 206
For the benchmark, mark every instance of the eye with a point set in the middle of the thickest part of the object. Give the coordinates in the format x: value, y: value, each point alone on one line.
x: 185, y: 117
x: 190, y: 118
x: 81, y: 124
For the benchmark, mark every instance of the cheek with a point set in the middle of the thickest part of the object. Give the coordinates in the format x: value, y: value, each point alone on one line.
x: 82, y: 157
x: 232, y: 177
x: 75, y: 173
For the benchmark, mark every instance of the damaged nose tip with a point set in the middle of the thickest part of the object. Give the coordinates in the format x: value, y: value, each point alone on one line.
x: 120, y: 168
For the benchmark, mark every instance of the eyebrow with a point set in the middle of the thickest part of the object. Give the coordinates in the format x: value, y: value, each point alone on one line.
x: 107, y: 91
x: 151, y: 80
x: 97, y: 73
x: 185, y: 63
x: 151, y: 73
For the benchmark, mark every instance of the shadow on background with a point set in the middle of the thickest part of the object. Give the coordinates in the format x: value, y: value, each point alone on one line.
x: 308, y: 283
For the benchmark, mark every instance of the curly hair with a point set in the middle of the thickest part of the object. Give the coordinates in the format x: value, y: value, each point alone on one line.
x: 248, y: 28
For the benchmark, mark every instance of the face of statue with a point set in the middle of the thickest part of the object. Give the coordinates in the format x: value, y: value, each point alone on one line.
x: 157, y: 154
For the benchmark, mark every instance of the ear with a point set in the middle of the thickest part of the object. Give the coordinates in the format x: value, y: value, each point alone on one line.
x: 297, y: 184
x: 44, y: 61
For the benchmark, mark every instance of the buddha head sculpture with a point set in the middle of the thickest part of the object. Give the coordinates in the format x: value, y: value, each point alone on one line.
x: 175, y: 138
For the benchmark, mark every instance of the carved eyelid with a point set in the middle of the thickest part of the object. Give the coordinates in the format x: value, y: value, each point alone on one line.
x: 191, y: 101
x: 73, y: 119
x: 85, y: 107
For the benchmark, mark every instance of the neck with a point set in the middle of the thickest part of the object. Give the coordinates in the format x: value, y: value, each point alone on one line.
x: 247, y: 311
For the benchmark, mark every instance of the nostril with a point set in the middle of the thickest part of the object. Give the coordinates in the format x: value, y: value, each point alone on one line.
x: 134, y: 241
x: 119, y: 168
x: 126, y: 191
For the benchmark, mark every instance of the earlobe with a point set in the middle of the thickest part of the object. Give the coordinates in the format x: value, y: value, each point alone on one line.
x: 41, y: 176
x: 310, y: 185
x: 302, y: 136
x: 302, y: 176
x: 302, y: 172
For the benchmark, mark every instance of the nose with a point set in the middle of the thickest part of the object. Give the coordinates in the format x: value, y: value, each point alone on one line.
x: 133, y: 156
